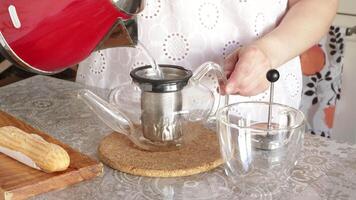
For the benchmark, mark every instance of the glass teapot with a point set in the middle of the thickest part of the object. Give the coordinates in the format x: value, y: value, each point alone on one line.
x: 152, y: 112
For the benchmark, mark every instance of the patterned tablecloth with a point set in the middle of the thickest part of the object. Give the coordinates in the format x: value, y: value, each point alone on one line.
x: 326, y: 169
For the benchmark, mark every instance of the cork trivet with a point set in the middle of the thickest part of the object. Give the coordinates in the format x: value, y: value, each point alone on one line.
x: 199, y: 155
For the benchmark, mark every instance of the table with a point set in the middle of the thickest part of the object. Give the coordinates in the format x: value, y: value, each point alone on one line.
x: 326, y: 169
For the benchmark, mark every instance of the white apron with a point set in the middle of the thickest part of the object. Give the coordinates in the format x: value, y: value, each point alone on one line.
x: 191, y: 32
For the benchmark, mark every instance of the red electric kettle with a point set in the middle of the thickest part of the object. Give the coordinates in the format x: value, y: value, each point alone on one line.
x: 48, y: 36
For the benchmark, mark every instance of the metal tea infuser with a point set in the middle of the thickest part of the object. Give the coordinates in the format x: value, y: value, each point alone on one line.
x: 152, y: 112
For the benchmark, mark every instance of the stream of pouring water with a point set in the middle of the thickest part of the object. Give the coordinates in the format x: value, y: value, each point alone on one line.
x: 151, y: 60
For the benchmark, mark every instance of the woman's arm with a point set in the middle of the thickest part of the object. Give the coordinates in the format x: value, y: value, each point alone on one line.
x: 305, y: 22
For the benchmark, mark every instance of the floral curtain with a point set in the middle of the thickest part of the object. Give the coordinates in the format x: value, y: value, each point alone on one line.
x: 322, y: 70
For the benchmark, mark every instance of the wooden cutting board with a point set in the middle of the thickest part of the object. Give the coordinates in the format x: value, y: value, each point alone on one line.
x: 18, y: 181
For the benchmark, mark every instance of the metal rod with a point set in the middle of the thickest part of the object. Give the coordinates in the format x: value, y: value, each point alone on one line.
x: 350, y: 31
x: 346, y: 14
x: 269, y: 125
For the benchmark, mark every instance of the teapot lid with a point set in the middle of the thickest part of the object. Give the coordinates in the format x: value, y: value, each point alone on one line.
x: 175, y: 78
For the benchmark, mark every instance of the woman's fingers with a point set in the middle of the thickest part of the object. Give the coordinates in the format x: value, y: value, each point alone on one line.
x: 250, y: 85
x: 230, y: 62
x: 236, y: 81
x: 247, y: 76
x: 240, y: 75
x: 254, y: 87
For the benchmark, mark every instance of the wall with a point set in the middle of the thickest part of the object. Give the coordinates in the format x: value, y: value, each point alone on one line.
x: 345, y: 121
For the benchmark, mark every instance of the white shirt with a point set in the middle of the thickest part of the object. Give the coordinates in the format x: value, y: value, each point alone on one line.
x: 189, y: 33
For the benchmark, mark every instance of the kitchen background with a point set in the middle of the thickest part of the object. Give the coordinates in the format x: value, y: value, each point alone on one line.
x: 342, y: 128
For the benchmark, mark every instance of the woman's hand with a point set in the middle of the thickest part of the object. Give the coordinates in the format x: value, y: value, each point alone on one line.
x: 246, y: 70
x: 305, y: 22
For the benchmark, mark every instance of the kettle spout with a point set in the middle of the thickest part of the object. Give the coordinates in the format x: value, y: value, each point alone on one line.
x: 107, y: 112
x: 122, y: 34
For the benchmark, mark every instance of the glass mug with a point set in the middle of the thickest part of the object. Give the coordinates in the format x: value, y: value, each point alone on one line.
x: 258, y: 158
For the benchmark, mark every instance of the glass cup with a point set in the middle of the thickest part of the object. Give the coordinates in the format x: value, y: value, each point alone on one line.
x: 259, y: 157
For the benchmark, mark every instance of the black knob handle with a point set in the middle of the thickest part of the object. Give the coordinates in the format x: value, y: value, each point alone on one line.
x: 272, y: 75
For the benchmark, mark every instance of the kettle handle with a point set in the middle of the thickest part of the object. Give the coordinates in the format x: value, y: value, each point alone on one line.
x: 202, y: 71
x: 107, y: 112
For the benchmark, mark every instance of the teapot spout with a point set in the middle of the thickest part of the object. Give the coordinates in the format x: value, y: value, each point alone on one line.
x: 107, y: 112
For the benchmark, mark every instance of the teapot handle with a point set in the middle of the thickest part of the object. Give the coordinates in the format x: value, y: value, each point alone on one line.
x: 107, y: 112
x: 202, y: 71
